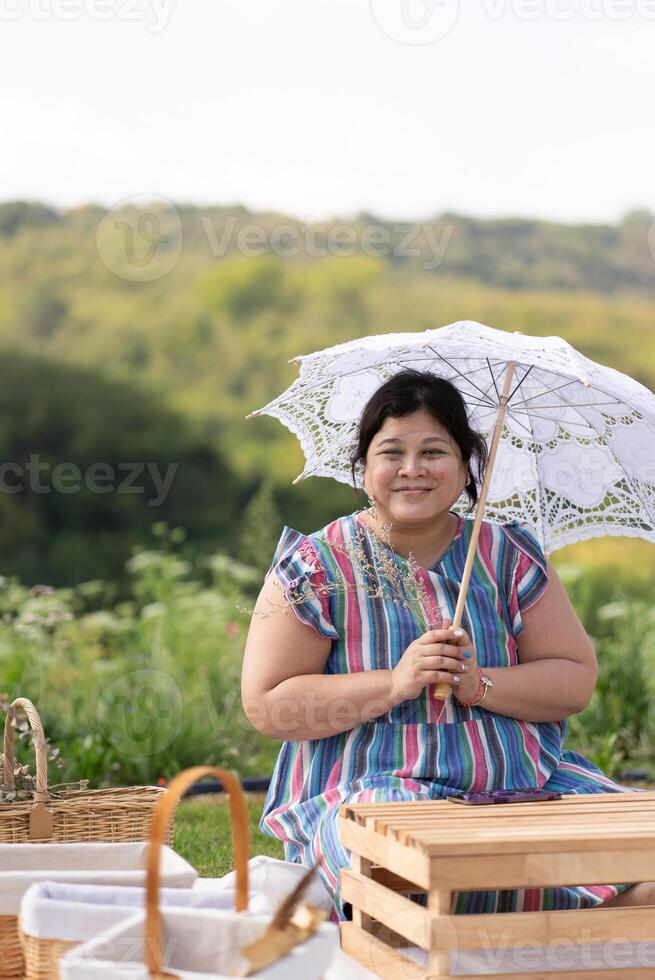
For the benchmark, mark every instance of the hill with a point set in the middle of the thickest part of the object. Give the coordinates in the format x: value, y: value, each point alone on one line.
x: 203, y: 336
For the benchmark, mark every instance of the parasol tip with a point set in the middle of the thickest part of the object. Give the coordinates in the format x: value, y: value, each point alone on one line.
x: 297, y: 480
x: 251, y: 415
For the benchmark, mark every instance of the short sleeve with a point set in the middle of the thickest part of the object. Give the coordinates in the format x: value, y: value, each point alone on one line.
x: 529, y: 577
x: 299, y: 570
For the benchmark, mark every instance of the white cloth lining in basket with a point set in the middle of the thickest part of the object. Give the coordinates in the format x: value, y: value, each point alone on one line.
x: 75, y: 913
x: 195, y: 949
x: 22, y: 865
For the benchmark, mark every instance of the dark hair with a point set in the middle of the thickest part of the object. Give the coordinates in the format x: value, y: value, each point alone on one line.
x: 409, y: 391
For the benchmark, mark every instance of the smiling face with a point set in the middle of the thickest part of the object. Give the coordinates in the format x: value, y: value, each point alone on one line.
x: 414, y: 469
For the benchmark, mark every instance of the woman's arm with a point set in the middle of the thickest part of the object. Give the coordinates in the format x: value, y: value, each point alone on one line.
x: 557, y: 669
x: 284, y: 691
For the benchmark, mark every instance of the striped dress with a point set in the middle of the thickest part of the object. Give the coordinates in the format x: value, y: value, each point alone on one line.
x: 417, y: 750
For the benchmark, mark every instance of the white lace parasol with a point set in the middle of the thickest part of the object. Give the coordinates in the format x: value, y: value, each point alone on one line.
x: 576, y: 456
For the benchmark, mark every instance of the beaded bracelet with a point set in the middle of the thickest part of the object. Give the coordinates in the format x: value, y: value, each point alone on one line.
x: 483, y: 683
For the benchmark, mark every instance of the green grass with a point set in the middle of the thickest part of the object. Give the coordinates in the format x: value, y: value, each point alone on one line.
x: 203, y: 833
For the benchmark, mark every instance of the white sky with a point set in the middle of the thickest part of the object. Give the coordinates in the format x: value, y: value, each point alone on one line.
x: 531, y: 107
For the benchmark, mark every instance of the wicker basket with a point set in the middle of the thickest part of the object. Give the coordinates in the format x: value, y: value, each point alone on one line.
x: 42, y: 957
x: 11, y: 954
x: 55, y: 916
x: 115, y: 815
x: 112, y: 866
x: 196, y: 939
x: 118, y: 815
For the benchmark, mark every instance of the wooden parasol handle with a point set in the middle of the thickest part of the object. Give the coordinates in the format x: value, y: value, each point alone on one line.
x: 442, y: 691
x: 41, y: 795
x: 160, y: 822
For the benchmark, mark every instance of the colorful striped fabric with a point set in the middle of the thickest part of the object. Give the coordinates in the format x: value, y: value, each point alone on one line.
x: 417, y: 750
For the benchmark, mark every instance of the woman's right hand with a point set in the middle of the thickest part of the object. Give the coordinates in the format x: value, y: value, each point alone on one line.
x: 436, y: 657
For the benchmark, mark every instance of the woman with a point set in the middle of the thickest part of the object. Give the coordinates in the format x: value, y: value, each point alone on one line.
x: 346, y: 678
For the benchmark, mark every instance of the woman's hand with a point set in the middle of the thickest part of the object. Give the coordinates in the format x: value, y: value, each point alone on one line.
x: 436, y: 657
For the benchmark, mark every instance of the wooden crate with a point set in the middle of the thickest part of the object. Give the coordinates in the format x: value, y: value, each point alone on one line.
x: 438, y: 847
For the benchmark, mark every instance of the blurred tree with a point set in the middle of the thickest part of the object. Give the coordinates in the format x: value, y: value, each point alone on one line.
x: 87, y: 465
x: 42, y: 311
x: 16, y: 214
x: 244, y: 286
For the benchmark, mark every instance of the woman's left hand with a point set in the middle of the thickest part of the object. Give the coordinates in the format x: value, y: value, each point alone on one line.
x: 469, y: 679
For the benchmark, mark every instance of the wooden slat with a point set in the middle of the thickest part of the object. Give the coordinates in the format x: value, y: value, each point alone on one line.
x: 439, y: 906
x: 565, y: 798
x: 405, y: 917
x: 464, y: 839
x: 509, y: 929
x: 361, y: 866
x: 359, y: 811
x: 625, y: 821
x: 378, y: 957
x: 526, y: 842
x: 446, y: 809
x: 405, y: 861
x: 542, y: 870
x: 389, y: 964
x: 498, y: 815
x: 516, y: 811
x: 495, y: 815
x: 510, y: 819
x: 528, y: 830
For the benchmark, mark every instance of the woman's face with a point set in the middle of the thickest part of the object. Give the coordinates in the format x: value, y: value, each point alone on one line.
x: 414, y: 469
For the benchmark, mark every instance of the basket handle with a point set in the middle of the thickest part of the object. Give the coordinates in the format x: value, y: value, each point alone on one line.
x: 160, y: 822
x: 41, y: 794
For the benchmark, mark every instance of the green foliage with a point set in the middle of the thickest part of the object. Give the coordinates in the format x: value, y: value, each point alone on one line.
x: 42, y: 311
x: 135, y: 688
x: 259, y: 528
x: 15, y: 215
x: 145, y: 687
x: 618, y: 725
x: 88, y: 462
x: 245, y: 289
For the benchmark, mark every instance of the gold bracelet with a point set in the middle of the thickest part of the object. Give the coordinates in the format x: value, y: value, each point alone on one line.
x: 484, y: 682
